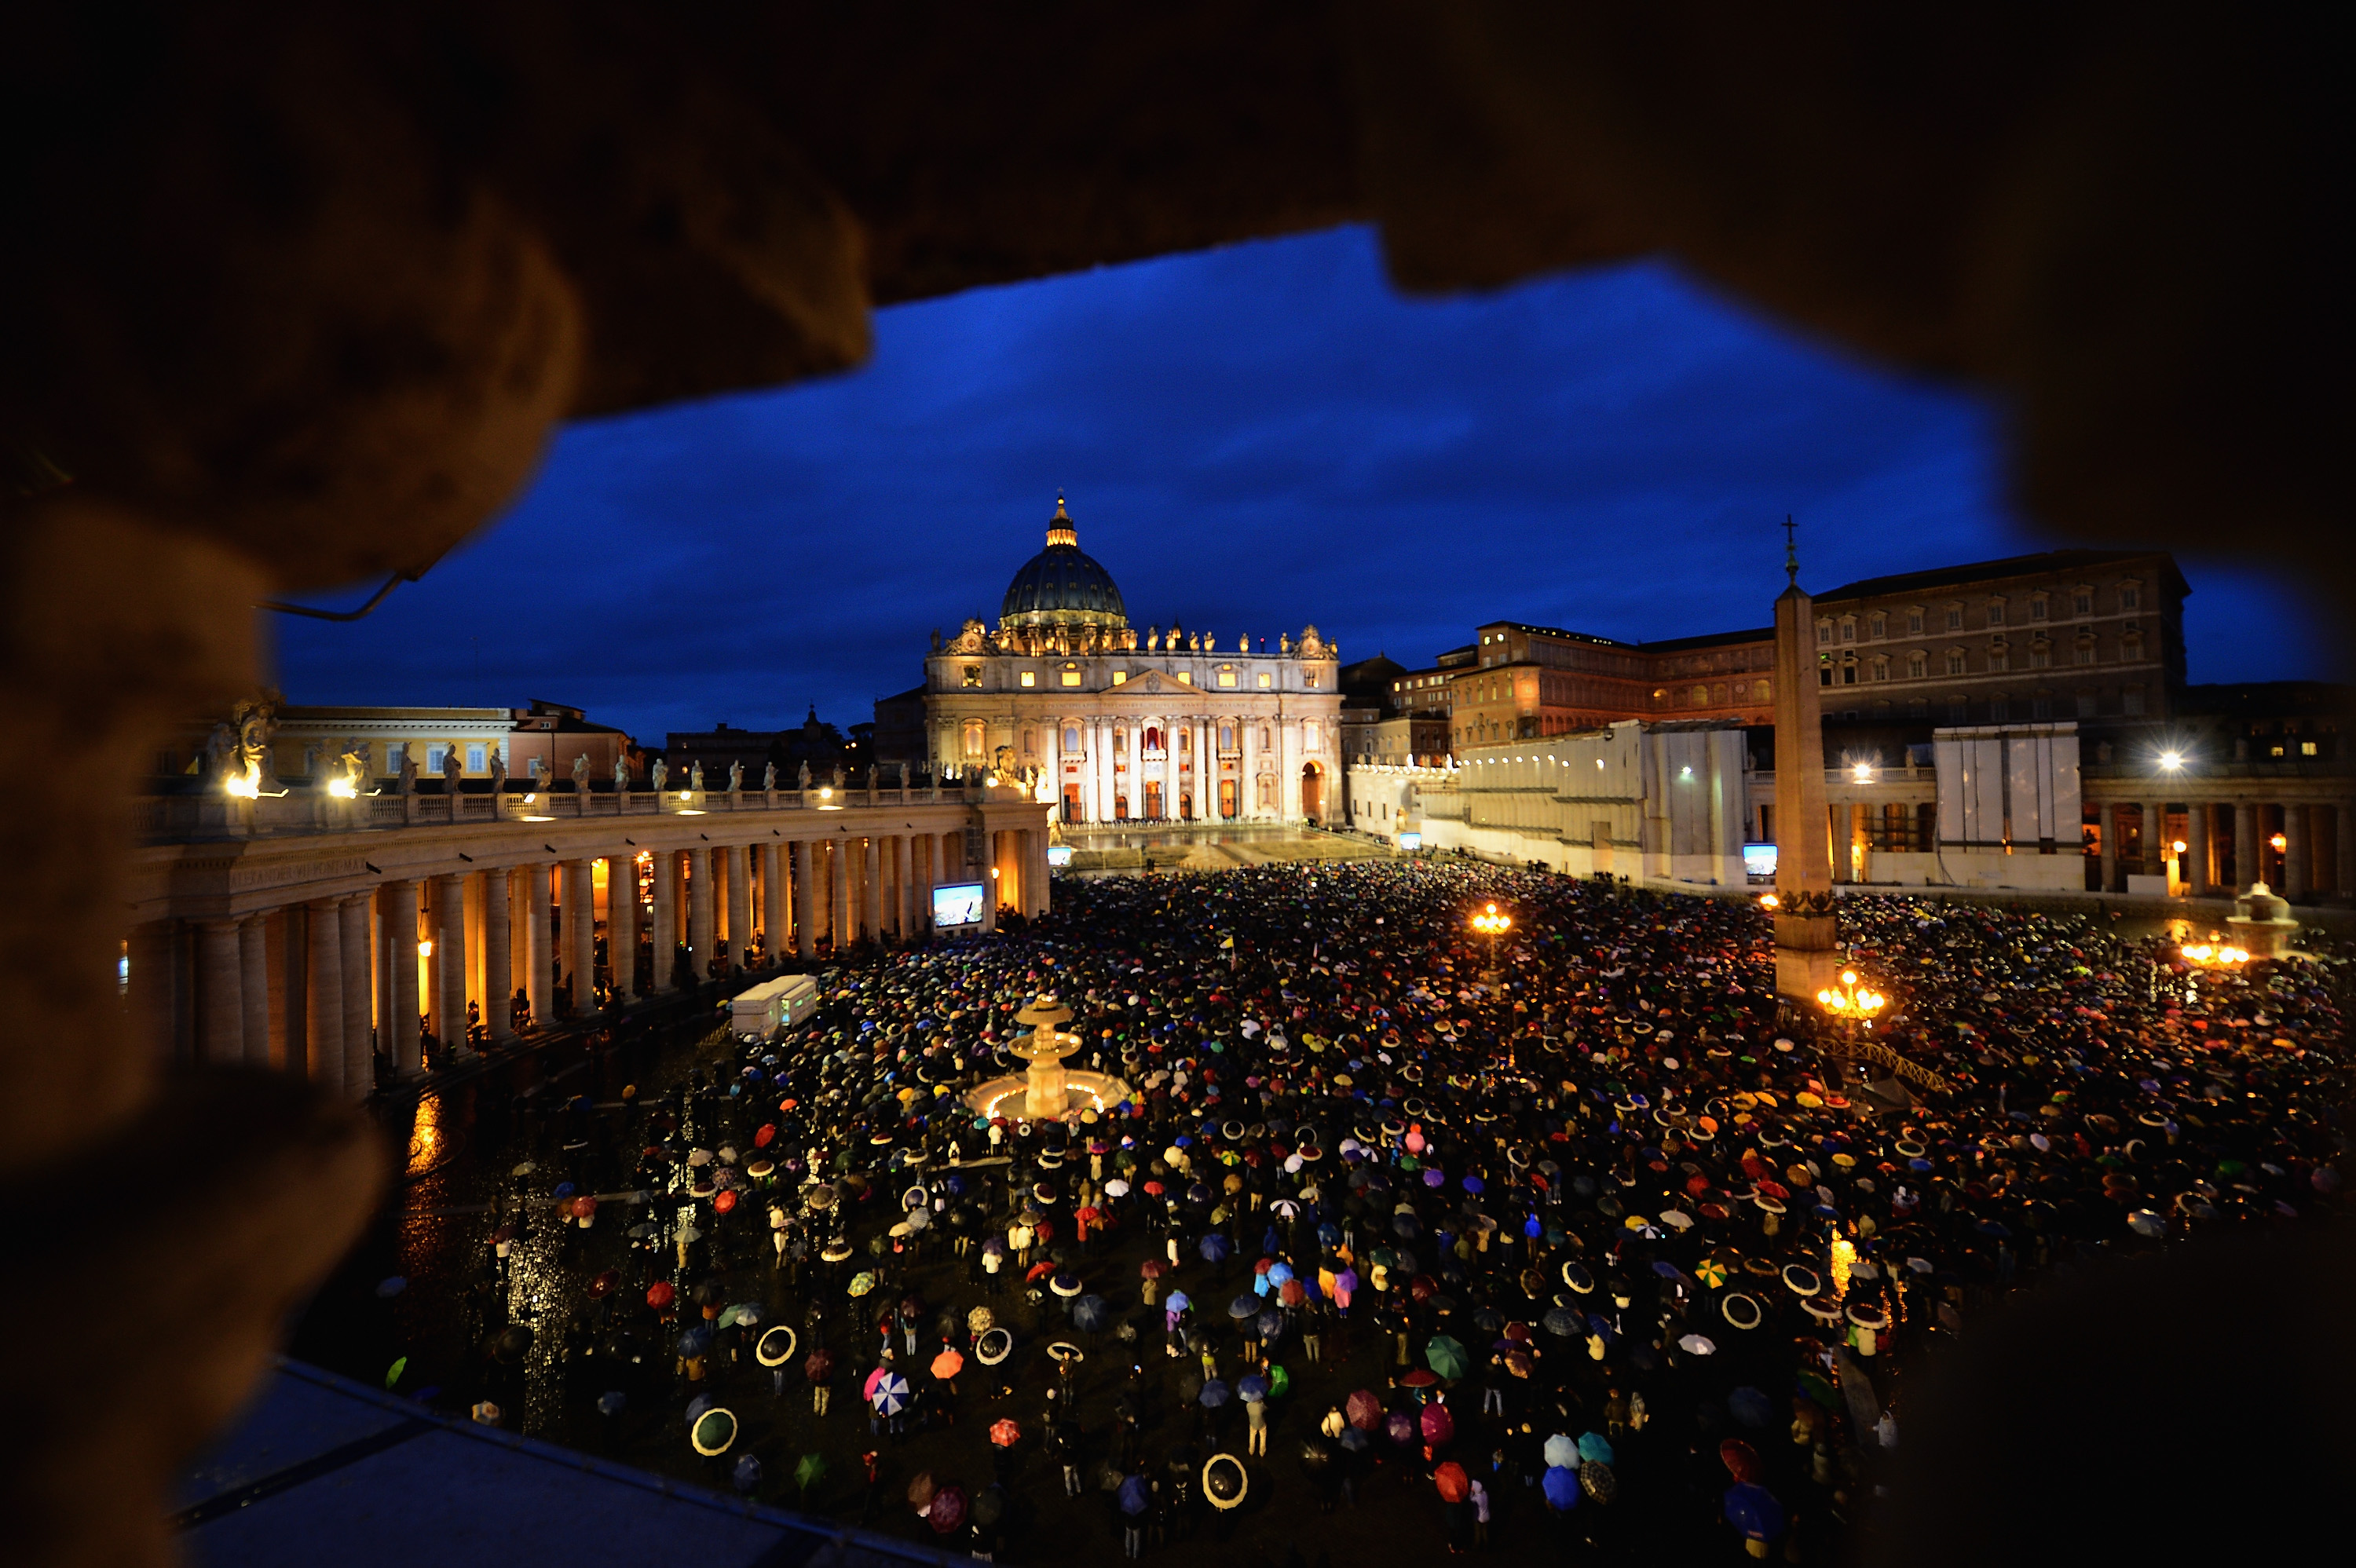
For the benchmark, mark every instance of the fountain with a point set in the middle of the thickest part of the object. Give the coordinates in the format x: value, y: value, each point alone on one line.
x: 1046, y: 1089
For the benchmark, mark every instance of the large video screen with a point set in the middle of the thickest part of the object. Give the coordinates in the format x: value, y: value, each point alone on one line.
x: 957, y: 903
x: 1759, y: 860
x: 1059, y: 854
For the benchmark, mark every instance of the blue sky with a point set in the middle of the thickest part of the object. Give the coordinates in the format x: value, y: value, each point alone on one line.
x: 1251, y: 439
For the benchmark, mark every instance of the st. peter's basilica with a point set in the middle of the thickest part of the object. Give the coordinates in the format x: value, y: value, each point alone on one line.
x: 1117, y: 727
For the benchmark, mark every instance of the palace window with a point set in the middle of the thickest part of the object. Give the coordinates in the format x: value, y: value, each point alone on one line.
x: 1763, y: 692
x: 2130, y: 598
x: 1881, y: 666
x: 1698, y: 698
x: 2041, y: 706
x: 1954, y: 617
x: 1915, y: 623
x: 2041, y: 656
x: 1999, y: 709
x: 973, y: 675
x: 1959, y: 711
x: 1030, y: 677
x: 1848, y: 628
x: 974, y: 736
x: 2131, y: 648
x: 2083, y: 652
x: 2085, y: 705
x: 1919, y: 709
x: 1918, y: 664
x: 1823, y: 633
x: 475, y: 759
x: 434, y: 756
x: 2000, y: 657
x: 2131, y: 700
x: 1227, y: 677
x: 1071, y: 736
x: 1880, y: 625
x: 1185, y: 742
x: 1955, y: 661
x: 2081, y: 603
x: 1995, y: 613
x: 2038, y: 607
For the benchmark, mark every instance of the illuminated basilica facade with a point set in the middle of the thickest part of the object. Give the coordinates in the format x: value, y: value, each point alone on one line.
x: 1112, y: 725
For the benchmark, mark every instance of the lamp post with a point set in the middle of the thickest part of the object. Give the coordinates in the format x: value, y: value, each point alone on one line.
x: 1492, y: 922
x: 1853, y: 1004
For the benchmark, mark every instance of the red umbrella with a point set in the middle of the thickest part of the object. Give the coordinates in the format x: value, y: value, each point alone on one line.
x: 1291, y: 1293
x: 660, y: 1295
x: 1423, y: 1287
x: 1517, y: 1330
x: 818, y: 1366
x: 1454, y: 1485
x: 1263, y: 1265
x: 1004, y: 1434
x: 1741, y: 1459
x: 1422, y: 1377
x: 948, y: 1364
x: 947, y: 1510
x: 1437, y: 1425
x: 1366, y: 1412
x: 603, y: 1285
x: 1154, y: 1189
x: 726, y: 1201
x: 1040, y: 1271
x: 1152, y: 1268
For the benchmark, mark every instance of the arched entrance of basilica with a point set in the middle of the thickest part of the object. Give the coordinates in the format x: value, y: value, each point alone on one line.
x: 1312, y: 792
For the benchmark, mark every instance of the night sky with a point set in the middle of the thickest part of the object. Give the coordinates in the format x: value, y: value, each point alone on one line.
x: 1252, y: 439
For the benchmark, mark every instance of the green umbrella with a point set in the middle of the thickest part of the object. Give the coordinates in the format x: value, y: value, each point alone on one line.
x: 393, y: 1376
x: 861, y: 1283
x: 1277, y: 1383
x: 1446, y: 1356
x: 712, y: 1432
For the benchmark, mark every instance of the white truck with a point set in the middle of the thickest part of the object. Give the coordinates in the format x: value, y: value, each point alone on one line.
x: 772, y: 1006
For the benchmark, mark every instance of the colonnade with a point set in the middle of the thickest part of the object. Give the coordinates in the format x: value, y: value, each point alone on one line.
x: 321, y: 986
x: 2298, y: 847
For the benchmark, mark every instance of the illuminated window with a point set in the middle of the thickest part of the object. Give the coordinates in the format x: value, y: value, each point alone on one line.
x: 1227, y: 677
x: 1186, y: 677
x: 1266, y: 680
x: 974, y: 735
x: 434, y: 758
x: 1153, y: 737
x: 1120, y: 678
x: 1071, y: 677
x: 973, y: 675
x: 475, y: 759
x: 1030, y: 677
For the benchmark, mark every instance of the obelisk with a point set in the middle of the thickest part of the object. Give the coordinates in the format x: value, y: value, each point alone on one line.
x: 1807, y: 960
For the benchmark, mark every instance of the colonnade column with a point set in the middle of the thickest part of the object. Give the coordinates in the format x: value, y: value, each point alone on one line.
x: 663, y: 938
x: 253, y: 986
x: 2106, y: 833
x: 220, y: 975
x: 400, y: 976
x: 498, y: 956
x: 2344, y: 844
x: 2196, y: 849
x: 871, y: 925
x: 359, y: 1059
x: 740, y: 905
x: 699, y: 913
x: 539, y: 966
x: 621, y: 925
x: 839, y: 881
x: 580, y: 934
x: 805, y: 892
x: 152, y: 986
x: 322, y: 995
x: 2155, y: 838
x: 2246, y: 844
x: 450, y: 956
x: 2295, y: 846
x: 773, y: 903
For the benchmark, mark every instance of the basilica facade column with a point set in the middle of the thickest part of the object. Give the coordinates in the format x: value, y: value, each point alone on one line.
x: 664, y: 939
x: 400, y: 1023
x: 360, y: 1057
x: 700, y: 913
x: 805, y: 896
x: 740, y: 906
x: 323, y: 995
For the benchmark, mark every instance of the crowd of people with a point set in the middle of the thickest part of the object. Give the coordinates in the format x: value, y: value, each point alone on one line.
x: 1597, y: 1247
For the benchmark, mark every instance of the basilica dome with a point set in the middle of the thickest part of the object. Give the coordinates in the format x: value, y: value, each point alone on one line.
x: 1062, y: 586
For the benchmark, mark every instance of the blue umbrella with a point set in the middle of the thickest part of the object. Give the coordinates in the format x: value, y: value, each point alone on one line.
x: 1271, y: 1324
x: 1329, y: 1235
x: 1278, y: 1274
x: 1473, y: 1184
x: 1090, y: 1314
x: 695, y: 1342
x: 1252, y: 1390
x: 748, y: 1473
x: 1753, y: 1509
x: 1136, y: 1497
x: 1214, y: 1247
x: 1177, y: 1301
x: 612, y: 1401
x: 1243, y: 1308
x: 1561, y: 1322
x: 1600, y: 1326
x: 1751, y: 1407
x: 1215, y: 1394
x: 1562, y: 1488
x: 1594, y: 1447
x: 891, y: 1395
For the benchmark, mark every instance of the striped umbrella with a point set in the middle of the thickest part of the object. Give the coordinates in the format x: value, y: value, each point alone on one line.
x: 890, y: 1395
